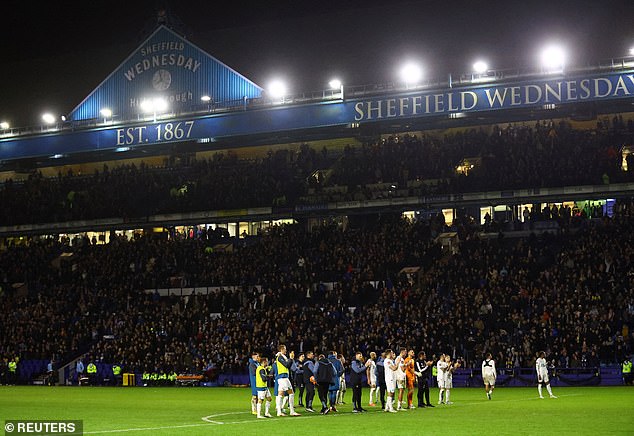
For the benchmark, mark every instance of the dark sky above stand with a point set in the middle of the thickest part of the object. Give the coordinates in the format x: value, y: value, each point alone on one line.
x: 54, y: 54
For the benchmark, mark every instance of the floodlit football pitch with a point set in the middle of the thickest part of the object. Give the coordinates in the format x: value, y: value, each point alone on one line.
x: 220, y: 411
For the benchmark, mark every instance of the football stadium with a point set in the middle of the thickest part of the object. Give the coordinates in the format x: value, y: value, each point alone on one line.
x: 187, y: 251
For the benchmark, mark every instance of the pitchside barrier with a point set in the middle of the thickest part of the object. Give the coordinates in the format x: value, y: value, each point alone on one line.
x: 516, y: 377
x: 609, y: 375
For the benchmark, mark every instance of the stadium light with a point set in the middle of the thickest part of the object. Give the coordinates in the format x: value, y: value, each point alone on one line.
x: 480, y: 67
x: 632, y: 51
x: 206, y: 99
x: 411, y: 73
x: 4, y: 125
x: 106, y: 113
x: 277, y: 89
x: 154, y: 106
x: 160, y: 104
x: 48, y: 118
x: 336, y: 84
x: 146, y: 105
x: 553, y: 58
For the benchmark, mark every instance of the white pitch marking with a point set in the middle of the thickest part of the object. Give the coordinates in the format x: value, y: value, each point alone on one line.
x: 209, y: 421
x: 167, y: 427
x: 126, y: 430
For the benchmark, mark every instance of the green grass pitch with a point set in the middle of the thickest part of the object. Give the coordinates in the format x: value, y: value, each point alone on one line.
x: 226, y: 411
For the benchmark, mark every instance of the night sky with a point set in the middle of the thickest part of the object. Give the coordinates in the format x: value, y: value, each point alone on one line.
x: 54, y: 55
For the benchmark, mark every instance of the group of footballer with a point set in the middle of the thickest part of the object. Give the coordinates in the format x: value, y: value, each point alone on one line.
x: 391, y: 374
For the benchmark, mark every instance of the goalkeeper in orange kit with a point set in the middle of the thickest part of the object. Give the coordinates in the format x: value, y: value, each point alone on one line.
x: 411, y: 378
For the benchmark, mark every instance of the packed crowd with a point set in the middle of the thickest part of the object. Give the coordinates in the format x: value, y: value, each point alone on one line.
x: 543, y: 154
x: 130, y: 191
x: 570, y: 294
x: 49, y: 310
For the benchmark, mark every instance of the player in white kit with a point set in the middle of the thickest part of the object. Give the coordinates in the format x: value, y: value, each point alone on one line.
x: 400, y: 377
x: 342, y: 382
x: 371, y: 376
x: 390, y: 380
x: 441, y: 366
x: 542, y: 374
x: 489, y: 374
x: 451, y: 367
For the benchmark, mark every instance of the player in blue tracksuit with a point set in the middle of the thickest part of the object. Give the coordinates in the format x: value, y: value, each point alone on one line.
x: 253, y: 365
x: 309, y: 371
x: 380, y: 378
x: 336, y: 380
x: 297, y: 369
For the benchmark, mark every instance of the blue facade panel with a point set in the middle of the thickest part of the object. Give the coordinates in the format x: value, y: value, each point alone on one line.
x: 529, y: 94
x: 169, y: 67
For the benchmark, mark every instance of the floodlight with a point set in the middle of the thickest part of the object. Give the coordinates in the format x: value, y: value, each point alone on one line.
x: 154, y: 105
x: 48, y: 118
x: 411, y: 73
x: 553, y: 58
x: 277, y: 89
x: 160, y: 104
x: 146, y: 105
x: 480, y: 67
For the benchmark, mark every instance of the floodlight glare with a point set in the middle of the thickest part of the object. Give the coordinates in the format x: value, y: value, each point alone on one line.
x: 632, y: 51
x: 277, y: 89
x: 205, y: 98
x: 146, y: 105
x: 105, y: 112
x: 335, y: 84
x: 480, y: 67
x: 411, y: 73
x: 154, y: 105
x: 553, y: 58
x: 160, y: 104
x: 48, y: 118
x: 4, y: 125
